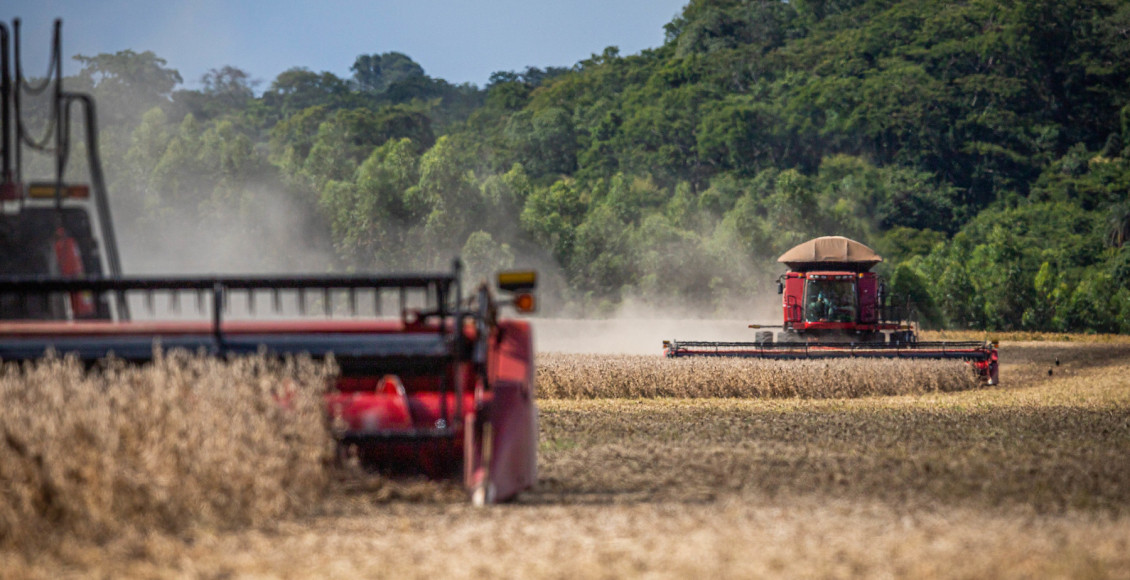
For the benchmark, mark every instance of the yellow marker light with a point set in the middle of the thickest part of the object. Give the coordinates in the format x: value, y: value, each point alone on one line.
x: 47, y: 191
x: 515, y: 281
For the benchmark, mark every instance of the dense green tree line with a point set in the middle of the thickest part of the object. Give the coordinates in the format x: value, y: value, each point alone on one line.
x: 983, y: 147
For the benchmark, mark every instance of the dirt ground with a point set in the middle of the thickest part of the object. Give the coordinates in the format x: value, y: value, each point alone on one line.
x: 1029, y: 479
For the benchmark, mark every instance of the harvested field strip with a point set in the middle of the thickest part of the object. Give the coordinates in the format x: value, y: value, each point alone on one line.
x: 184, y: 441
x: 1045, y: 458
x: 568, y: 376
x: 1049, y: 443
x: 1028, y: 480
x: 1023, y: 336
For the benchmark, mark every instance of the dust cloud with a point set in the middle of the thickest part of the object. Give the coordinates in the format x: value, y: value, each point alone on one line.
x: 280, y: 236
x: 639, y: 329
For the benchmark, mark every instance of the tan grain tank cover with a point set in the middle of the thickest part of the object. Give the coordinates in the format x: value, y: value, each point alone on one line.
x: 836, y: 249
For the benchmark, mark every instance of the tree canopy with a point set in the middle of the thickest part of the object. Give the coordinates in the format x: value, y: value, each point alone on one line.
x: 982, y: 146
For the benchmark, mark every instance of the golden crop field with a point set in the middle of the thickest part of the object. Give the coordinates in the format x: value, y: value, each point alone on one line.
x: 922, y: 479
x: 570, y: 376
x: 185, y: 441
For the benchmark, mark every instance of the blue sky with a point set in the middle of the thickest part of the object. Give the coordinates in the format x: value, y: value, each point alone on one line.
x: 456, y: 41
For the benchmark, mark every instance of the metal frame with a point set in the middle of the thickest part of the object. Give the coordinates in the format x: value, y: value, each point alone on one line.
x: 445, y: 287
x: 965, y: 350
x: 446, y: 315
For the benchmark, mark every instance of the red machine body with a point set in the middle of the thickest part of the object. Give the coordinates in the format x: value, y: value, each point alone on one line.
x: 396, y: 422
x: 823, y: 303
x: 831, y: 294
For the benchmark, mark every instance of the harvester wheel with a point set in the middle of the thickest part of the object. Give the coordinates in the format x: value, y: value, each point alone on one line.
x: 763, y: 337
x: 903, y: 337
x: 483, y: 494
x: 787, y: 337
x: 483, y: 491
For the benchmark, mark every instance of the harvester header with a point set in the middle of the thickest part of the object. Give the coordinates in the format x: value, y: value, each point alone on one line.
x: 431, y: 382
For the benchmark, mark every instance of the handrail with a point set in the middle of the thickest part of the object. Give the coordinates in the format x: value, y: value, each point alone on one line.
x: 222, y: 286
x: 6, y: 176
x: 21, y: 85
x: 97, y: 179
x: 39, y: 283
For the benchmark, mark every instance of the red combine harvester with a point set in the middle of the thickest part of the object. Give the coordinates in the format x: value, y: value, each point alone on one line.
x: 431, y: 382
x: 835, y: 307
x: 445, y: 389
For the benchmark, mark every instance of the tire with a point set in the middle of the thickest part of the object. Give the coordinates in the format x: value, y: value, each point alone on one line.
x: 787, y: 337
x: 763, y: 337
x: 902, y: 337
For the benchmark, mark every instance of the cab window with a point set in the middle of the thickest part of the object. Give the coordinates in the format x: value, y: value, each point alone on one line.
x: 829, y: 300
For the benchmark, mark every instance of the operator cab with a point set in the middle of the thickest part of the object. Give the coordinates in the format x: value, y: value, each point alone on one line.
x: 830, y: 298
x: 43, y: 239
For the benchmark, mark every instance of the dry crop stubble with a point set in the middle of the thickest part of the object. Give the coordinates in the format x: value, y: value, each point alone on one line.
x: 1048, y: 443
x: 730, y: 538
x: 183, y: 441
x: 570, y: 376
x: 1050, y: 459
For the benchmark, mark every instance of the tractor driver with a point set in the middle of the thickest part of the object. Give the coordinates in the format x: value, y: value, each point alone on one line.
x: 820, y: 307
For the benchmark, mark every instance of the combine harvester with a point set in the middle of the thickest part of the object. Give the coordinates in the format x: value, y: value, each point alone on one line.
x: 835, y: 307
x: 431, y: 382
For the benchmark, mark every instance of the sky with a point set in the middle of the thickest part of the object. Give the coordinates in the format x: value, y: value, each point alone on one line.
x: 461, y: 42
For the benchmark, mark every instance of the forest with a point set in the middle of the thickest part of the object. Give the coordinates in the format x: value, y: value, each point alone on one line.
x: 981, y: 146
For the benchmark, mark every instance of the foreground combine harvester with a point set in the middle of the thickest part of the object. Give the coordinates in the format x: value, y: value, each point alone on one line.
x: 431, y: 381
x: 445, y: 389
x: 835, y: 307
